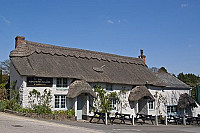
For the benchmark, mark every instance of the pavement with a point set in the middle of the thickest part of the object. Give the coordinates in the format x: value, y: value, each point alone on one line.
x: 18, y: 124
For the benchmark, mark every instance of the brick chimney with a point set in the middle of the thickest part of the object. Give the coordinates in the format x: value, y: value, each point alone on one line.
x: 142, y: 56
x: 19, y: 40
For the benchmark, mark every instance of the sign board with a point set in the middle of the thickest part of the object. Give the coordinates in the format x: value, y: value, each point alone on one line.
x: 39, y: 82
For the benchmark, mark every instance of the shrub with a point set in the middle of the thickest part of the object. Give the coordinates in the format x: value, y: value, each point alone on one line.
x: 3, y: 105
x: 70, y: 113
x: 41, y: 109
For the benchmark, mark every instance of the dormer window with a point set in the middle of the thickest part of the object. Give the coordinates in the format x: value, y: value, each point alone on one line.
x: 61, y: 82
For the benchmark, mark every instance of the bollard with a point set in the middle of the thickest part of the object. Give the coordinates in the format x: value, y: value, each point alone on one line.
x: 165, y: 120
x: 156, y: 120
x: 133, y: 121
x: 184, y: 121
x: 106, y: 119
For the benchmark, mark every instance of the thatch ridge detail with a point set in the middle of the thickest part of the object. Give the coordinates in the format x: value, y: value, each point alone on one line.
x: 78, y: 87
x: 140, y: 92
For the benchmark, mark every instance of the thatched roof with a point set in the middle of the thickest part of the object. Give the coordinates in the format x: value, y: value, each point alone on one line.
x: 186, y: 100
x: 78, y: 87
x: 171, y: 82
x: 43, y: 60
x: 140, y: 92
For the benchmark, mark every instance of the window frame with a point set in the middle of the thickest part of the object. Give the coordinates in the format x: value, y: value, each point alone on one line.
x: 61, y: 83
x: 172, y: 109
x: 58, y: 104
x: 153, y: 105
x: 113, y: 104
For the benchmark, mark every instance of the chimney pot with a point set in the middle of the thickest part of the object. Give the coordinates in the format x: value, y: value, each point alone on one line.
x: 142, y: 56
x: 19, y: 40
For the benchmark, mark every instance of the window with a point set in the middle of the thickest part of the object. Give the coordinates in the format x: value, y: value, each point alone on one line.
x: 151, y: 105
x: 60, y: 101
x: 113, y: 103
x: 172, y: 110
x: 61, y: 82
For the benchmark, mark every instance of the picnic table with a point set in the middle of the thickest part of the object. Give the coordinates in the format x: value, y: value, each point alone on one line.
x: 100, y: 116
x: 190, y: 120
x: 144, y: 117
x: 175, y: 119
x: 121, y: 117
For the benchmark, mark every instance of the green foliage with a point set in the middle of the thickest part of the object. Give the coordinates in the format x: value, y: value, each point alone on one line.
x: 5, y: 78
x: 41, y: 109
x: 40, y: 103
x: 3, y: 105
x: 0, y: 76
x: 191, y: 80
x: 102, y: 102
x: 70, y: 113
x: 3, y: 92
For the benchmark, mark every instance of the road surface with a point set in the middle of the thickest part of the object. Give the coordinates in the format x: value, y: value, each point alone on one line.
x: 17, y: 124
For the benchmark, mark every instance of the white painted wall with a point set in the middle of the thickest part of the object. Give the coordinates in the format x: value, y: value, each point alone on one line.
x: 172, y: 97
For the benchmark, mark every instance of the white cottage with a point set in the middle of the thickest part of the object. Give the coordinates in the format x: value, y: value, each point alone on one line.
x: 72, y: 73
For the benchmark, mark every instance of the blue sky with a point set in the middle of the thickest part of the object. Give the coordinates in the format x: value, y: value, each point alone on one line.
x: 167, y: 30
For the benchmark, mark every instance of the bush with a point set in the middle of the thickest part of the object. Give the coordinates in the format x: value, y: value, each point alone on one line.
x: 12, y: 105
x: 41, y: 109
x: 70, y: 113
x: 3, y: 105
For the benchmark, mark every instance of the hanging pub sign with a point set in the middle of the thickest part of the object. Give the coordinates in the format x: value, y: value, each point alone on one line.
x: 39, y: 82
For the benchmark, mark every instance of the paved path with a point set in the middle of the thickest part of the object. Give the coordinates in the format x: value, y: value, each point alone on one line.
x: 17, y: 124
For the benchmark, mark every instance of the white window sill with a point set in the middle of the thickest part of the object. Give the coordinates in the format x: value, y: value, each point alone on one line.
x: 151, y: 109
x: 59, y: 109
x: 61, y: 88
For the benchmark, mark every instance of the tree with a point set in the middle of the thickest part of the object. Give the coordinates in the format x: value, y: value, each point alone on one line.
x: 5, y: 66
x: 162, y: 69
x: 191, y: 80
x: 0, y: 76
x: 102, y: 102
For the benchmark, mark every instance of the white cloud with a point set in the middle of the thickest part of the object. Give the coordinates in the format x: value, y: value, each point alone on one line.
x: 110, y: 21
x: 184, y: 5
x: 5, y: 19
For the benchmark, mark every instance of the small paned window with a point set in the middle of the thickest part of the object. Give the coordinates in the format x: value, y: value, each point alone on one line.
x: 113, y: 104
x: 61, y: 82
x: 172, y: 110
x: 60, y: 101
x: 151, y: 105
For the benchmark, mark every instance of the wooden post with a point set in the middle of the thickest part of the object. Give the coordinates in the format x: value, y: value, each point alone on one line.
x: 156, y: 120
x: 106, y: 118
x: 165, y: 119
x: 75, y: 107
x: 88, y: 104
x: 184, y: 120
x: 133, y: 121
